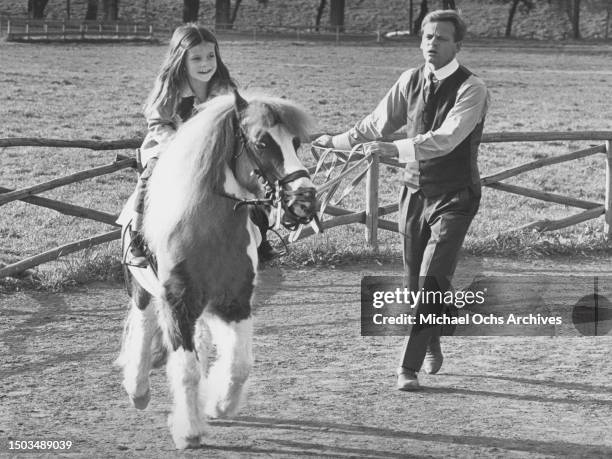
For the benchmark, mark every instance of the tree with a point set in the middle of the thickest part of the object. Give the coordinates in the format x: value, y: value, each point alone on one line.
x: 525, y: 6
x: 92, y: 10
x: 36, y: 8
x: 111, y: 9
x: 235, y: 11
x: 222, y: 14
x: 572, y: 9
x: 575, y: 18
x: 320, y: 9
x: 608, y: 10
x: 191, y: 9
x: 225, y: 15
x: 336, y: 14
x: 422, y: 14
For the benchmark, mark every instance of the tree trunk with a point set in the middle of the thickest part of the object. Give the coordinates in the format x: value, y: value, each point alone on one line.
x: 410, y: 17
x: 92, y: 10
x: 511, y: 17
x: 576, y: 19
x: 336, y: 14
x: 320, y: 9
x: 191, y: 9
x: 608, y: 8
x: 111, y: 9
x: 36, y: 8
x: 235, y: 12
x: 422, y: 14
x: 222, y: 14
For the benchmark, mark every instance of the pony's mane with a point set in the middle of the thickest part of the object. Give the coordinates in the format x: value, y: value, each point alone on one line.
x: 193, y: 169
x: 215, y: 124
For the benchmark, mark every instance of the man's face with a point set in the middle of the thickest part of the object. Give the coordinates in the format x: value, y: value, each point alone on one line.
x: 438, y: 43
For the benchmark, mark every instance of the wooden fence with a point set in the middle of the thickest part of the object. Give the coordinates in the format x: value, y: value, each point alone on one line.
x: 30, y: 30
x: 371, y: 216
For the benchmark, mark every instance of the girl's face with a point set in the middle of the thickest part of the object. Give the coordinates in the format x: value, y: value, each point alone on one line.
x: 201, y: 62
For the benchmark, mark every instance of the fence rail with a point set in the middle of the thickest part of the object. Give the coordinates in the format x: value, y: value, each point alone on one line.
x: 31, y: 30
x: 43, y: 30
x: 370, y: 216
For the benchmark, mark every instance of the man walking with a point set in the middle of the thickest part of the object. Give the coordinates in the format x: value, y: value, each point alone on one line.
x: 443, y: 106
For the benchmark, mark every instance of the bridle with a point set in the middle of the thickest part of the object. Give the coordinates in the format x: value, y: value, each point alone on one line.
x: 276, y: 195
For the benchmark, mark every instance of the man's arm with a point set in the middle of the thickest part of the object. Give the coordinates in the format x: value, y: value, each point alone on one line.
x: 469, y: 110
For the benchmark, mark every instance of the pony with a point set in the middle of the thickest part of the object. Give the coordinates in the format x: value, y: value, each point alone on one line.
x: 234, y: 153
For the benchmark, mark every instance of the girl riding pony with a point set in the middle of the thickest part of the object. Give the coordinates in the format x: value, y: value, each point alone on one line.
x: 191, y: 74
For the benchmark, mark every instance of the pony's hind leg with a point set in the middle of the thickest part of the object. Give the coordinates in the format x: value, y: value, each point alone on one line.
x: 229, y: 372
x: 186, y: 423
x: 136, y: 357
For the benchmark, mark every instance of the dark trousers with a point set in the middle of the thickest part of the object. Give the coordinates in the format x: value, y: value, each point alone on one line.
x: 434, y: 229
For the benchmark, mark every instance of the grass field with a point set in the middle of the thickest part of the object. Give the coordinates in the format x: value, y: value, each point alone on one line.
x: 96, y: 92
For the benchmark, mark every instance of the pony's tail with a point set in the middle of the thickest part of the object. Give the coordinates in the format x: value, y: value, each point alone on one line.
x: 179, y: 310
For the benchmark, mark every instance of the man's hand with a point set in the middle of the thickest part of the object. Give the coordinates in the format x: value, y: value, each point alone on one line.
x: 324, y: 141
x: 384, y: 149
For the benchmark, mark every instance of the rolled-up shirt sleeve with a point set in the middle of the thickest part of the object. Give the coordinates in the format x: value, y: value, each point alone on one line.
x: 387, y: 117
x: 161, y: 124
x: 470, y: 109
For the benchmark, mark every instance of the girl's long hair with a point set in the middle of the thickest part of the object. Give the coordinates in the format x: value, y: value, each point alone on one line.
x: 173, y: 74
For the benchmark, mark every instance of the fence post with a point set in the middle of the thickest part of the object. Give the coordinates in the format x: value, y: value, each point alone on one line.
x: 371, y: 213
x: 608, y: 223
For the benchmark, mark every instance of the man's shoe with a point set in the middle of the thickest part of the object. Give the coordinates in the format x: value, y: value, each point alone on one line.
x: 266, y: 252
x: 407, y: 380
x: 433, y: 357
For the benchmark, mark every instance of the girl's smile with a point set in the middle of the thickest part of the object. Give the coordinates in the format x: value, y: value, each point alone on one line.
x: 201, y: 62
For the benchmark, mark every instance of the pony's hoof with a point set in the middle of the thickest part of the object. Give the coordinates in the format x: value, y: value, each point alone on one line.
x: 141, y: 402
x: 187, y: 442
x: 218, y: 412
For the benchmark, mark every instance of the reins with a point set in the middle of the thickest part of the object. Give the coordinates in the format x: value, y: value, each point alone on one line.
x: 276, y: 195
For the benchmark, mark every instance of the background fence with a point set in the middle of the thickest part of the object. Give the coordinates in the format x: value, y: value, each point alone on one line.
x: 25, y: 29
x: 42, y: 30
x: 370, y: 216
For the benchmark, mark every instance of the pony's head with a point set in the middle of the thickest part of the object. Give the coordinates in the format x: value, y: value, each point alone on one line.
x: 265, y: 162
x: 234, y: 150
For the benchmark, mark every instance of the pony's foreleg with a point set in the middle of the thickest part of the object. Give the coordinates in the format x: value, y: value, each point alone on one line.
x: 136, y: 357
x: 186, y: 422
x: 228, y: 374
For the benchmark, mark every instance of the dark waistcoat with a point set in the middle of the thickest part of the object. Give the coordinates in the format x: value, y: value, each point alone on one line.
x: 458, y: 169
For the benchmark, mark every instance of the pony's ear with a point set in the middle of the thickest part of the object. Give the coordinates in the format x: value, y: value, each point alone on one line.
x: 240, y: 104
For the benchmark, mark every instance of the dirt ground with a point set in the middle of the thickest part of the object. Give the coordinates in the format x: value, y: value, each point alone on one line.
x: 318, y: 388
